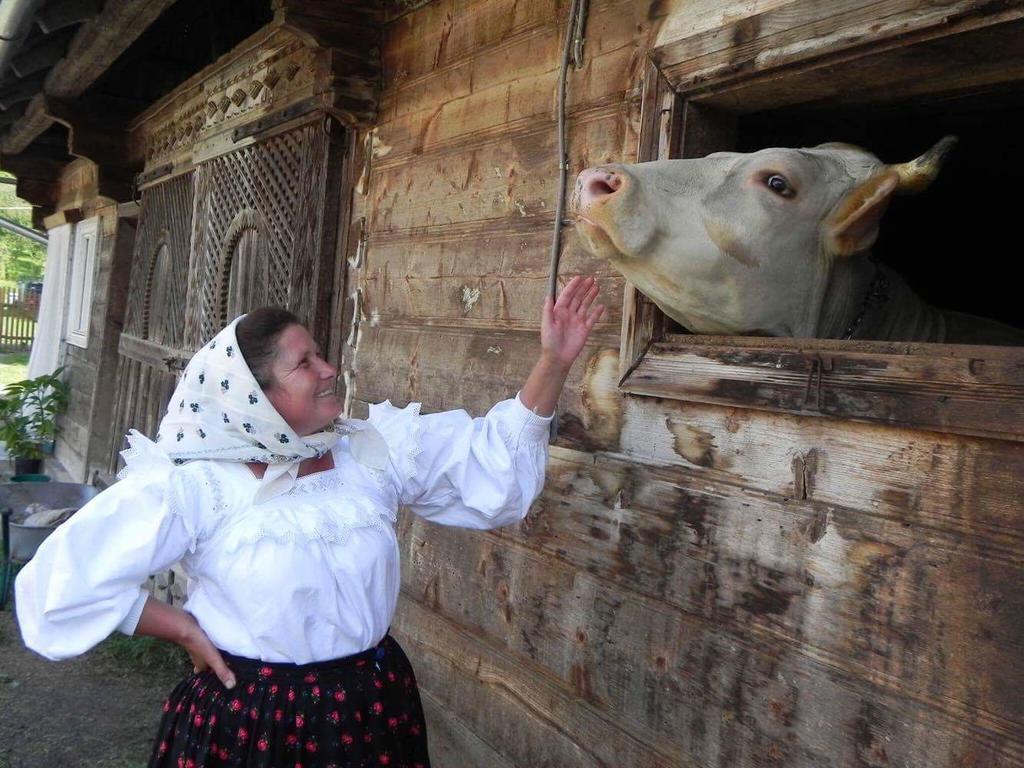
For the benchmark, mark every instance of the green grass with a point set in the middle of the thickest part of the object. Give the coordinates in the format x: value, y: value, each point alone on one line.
x: 145, y: 653
x: 13, y: 367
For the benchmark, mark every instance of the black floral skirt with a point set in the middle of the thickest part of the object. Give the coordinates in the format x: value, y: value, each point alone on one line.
x: 362, y: 710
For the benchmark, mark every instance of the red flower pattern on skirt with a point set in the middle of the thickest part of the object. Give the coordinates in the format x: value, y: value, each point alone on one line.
x: 363, y: 712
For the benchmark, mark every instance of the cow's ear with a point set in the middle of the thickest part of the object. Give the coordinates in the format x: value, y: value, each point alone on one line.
x: 853, y: 226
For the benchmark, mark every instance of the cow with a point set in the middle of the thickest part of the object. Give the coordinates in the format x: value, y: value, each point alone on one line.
x: 775, y: 242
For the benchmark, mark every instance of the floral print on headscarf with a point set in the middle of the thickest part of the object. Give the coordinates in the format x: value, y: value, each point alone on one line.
x: 218, y: 411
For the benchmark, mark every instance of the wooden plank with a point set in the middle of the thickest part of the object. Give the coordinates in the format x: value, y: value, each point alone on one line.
x: 976, y: 391
x: 536, y: 719
x: 956, y: 488
x: 843, y: 590
x: 729, y: 687
x: 509, y: 249
x: 441, y: 36
x: 797, y: 32
x: 988, y: 58
x: 350, y: 225
x: 448, y: 112
x: 452, y: 742
x: 314, y: 222
x: 500, y: 302
x: 151, y: 353
x: 447, y: 369
x: 509, y: 80
x: 642, y: 321
x: 511, y: 178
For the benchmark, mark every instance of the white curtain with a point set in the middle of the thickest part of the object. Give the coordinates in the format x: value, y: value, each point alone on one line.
x: 52, y: 304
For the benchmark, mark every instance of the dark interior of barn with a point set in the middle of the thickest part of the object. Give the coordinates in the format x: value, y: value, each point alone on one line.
x: 957, y: 244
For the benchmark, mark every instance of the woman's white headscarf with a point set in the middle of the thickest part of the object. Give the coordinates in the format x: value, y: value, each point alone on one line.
x: 218, y: 411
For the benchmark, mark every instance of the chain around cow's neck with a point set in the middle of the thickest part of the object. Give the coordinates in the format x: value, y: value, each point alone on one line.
x: 877, y: 293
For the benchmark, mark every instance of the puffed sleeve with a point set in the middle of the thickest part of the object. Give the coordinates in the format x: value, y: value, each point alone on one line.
x: 457, y: 470
x: 85, y: 579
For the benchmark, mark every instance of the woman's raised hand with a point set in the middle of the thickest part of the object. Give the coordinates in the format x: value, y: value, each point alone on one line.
x: 564, y: 327
x: 567, y: 321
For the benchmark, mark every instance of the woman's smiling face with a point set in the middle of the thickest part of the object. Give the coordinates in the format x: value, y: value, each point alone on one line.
x: 303, y: 383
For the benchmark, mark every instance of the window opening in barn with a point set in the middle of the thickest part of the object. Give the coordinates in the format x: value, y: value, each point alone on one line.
x: 949, y: 242
x: 946, y: 242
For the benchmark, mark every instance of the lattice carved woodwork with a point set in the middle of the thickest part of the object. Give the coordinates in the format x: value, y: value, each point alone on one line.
x: 281, y: 71
x: 155, y: 323
x: 262, y: 206
x: 155, y: 311
x: 156, y: 299
x: 244, y: 273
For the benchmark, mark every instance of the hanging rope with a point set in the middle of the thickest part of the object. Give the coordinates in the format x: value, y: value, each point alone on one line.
x: 573, y: 48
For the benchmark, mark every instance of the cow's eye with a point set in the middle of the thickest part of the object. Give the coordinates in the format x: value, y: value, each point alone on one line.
x: 779, y: 185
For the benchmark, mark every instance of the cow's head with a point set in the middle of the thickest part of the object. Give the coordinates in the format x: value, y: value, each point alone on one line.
x: 744, y: 243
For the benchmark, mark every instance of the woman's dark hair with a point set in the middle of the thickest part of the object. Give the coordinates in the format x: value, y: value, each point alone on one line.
x: 257, y: 334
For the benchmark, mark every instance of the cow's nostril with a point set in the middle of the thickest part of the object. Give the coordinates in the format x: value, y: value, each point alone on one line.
x: 602, y: 186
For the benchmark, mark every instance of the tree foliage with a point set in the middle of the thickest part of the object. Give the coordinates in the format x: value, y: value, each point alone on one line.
x: 20, y: 258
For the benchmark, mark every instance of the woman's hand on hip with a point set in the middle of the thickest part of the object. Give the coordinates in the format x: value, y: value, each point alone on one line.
x: 169, y: 623
x: 204, y: 653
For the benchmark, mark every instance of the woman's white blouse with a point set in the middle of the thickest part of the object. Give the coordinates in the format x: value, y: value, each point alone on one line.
x: 310, y: 575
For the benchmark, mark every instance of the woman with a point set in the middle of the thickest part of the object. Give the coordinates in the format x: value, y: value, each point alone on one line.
x: 286, y: 529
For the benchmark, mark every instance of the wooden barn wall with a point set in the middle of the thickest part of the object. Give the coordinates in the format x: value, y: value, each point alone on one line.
x: 699, y: 585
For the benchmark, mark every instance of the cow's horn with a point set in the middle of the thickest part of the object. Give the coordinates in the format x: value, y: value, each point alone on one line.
x: 916, y: 175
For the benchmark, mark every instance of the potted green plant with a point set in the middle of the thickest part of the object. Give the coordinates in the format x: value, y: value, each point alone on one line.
x: 28, y: 418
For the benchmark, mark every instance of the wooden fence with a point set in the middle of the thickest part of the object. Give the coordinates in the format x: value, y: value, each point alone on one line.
x: 19, y: 310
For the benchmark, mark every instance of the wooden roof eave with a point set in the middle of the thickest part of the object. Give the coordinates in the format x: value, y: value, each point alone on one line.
x: 94, y: 48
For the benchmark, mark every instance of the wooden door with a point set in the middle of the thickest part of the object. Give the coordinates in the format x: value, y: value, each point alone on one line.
x: 253, y: 226
x: 264, y: 231
x: 152, y: 343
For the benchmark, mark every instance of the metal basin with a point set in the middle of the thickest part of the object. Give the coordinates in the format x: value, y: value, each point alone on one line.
x: 24, y: 540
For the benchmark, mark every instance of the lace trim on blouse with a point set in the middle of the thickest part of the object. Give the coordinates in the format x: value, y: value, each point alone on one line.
x: 331, y: 521
x: 319, y: 482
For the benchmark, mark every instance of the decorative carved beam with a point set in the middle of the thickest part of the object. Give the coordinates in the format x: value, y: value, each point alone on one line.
x: 351, y: 30
x: 96, y: 45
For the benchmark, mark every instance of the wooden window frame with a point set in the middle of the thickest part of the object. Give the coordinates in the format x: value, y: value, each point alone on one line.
x: 965, y: 389
x: 84, y: 251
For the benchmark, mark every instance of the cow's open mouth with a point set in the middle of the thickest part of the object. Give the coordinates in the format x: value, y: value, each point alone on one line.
x: 596, y: 237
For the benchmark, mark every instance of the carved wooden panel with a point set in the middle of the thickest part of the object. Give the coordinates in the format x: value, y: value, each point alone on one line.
x: 156, y: 300
x: 248, y: 279
x: 152, y: 339
x: 257, y: 232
